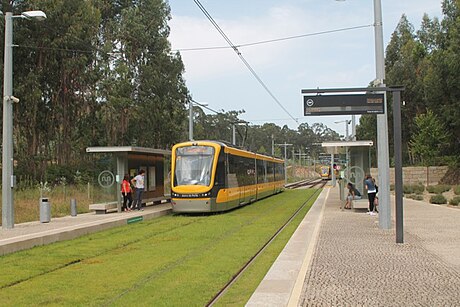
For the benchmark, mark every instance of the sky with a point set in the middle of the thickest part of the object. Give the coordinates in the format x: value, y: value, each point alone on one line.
x: 340, y: 58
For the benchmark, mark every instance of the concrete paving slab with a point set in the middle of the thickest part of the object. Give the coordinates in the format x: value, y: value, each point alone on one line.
x: 350, y: 261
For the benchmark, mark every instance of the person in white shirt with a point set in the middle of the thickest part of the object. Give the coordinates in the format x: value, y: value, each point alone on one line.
x: 139, y: 184
x: 371, y: 187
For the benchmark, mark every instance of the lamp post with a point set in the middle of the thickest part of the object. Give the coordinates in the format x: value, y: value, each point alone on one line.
x: 383, y: 160
x: 8, y: 179
x: 347, y: 122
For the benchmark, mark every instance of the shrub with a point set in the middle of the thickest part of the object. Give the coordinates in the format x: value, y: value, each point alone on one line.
x: 415, y: 196
x: 413, y: 189
x: 438, y: 189
x: 438, y: 199
x: 457, y: 190
x: 454, y: 201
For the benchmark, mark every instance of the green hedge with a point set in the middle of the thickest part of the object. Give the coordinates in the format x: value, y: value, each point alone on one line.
x: 438, y: 189
x: 413, y: 189
x: 454, y: 201
x: 438, y: 199
x: 457, y: 189
x: 415, y: 196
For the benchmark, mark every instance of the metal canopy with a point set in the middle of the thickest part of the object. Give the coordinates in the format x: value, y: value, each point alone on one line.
x: 128, y: 149
x: 350, y: 90
x: 347, y: 144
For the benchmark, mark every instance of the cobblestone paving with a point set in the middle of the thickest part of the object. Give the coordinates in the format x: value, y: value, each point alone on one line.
x: 357, y: 264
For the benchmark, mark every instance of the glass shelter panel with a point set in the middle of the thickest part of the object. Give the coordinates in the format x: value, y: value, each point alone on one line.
x: 103, y: 187
x: 358, y: 167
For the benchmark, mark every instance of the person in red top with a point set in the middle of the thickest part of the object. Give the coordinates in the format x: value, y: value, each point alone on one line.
x: 126, y: 192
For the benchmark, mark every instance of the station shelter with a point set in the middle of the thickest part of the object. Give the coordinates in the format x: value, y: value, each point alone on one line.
x: 357, y: 164
x: 114, y: 162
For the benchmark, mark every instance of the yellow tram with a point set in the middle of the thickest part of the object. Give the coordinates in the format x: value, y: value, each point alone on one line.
x: 211, y: 176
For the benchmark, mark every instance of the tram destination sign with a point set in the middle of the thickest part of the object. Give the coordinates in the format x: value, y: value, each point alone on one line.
x: 352, y: 104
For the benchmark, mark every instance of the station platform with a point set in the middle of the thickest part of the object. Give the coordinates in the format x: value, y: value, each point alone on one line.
x: 334, y: 258
x: 343, y: 258
x: 27, y: 235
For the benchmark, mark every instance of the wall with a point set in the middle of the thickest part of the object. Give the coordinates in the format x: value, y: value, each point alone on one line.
x: 417, y: 174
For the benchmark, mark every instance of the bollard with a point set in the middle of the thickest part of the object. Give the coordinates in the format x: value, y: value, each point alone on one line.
x: 45, y: 210
x: 73, y: 207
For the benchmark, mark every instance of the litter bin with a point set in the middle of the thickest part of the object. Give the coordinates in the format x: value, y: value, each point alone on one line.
x: 73, y: 207
x: 45, y: 210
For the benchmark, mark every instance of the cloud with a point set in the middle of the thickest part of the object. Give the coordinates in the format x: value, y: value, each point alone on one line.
x: 278, y: 22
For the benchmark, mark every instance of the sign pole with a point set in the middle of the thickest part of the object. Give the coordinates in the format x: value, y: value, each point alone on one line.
x: 398, y: 166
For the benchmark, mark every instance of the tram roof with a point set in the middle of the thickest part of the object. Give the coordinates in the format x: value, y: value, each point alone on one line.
x: 348, y: 144
x: 128, y: 149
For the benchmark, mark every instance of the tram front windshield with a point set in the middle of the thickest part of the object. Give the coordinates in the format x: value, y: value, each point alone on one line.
x: 193, y: 165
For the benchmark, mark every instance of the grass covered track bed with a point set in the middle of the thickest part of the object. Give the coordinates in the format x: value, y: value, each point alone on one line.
x: 173, y: 260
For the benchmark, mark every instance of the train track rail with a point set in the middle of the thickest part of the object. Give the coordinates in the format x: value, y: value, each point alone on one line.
x: 253, y: 258
x: 311, y: 183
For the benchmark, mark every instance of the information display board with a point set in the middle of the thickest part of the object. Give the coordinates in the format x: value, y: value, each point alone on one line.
x: 352, y: 104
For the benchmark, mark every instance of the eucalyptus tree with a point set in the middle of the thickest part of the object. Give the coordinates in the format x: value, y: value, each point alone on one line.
x: 54, y: 77
x: 143, y: 92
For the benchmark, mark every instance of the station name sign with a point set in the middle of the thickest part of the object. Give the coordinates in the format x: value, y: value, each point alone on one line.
x: 352, y: 104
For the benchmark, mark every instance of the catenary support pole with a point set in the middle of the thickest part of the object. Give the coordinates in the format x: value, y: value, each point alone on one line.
x: 383, y: 159
x: 190, y: 120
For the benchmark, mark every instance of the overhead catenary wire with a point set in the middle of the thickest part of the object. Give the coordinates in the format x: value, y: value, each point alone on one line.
x: 235, y: 48
x: 275, y: 39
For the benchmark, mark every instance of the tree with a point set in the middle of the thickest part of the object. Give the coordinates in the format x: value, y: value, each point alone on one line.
x: 430, y: 138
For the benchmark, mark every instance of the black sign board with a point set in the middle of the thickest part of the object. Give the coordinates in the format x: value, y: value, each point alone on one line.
x: 353, y: 104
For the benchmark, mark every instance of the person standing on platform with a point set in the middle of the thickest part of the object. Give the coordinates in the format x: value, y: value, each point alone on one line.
x: 139, y: 184
x: 369, y: 185
x: 127, y: 195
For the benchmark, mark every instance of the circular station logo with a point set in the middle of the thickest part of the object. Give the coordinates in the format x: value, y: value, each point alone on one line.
x: 355, y: 175
x: 310, y: 102
x: 106, y: 179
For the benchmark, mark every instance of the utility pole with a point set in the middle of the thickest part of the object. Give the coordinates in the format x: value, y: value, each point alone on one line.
x: 273, y: 146
x: 190, y: 120
x: 382, y: 124
x: 285, y: 159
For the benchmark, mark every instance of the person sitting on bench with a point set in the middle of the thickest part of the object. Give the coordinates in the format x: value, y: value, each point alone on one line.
x: 353, y: 193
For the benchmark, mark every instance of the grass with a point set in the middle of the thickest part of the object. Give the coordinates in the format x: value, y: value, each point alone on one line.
x: 26, y: 202
x: 174, y: 260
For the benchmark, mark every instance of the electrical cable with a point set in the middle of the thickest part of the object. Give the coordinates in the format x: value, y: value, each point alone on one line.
x: 275, y: 39
x: 253, y: 72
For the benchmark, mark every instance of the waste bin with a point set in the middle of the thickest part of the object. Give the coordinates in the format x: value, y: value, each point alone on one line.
x: 45, y: 210
x: 73, y: 207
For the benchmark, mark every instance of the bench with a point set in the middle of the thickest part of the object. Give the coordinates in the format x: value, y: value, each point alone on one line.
x: 102, y: 208
x: 360, y: 204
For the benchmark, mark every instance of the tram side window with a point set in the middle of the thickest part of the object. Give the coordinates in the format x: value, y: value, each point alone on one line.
x: 279, y: 172
x: 241, y: 171
x: 261, y: 171
x: 232, y: 170
x: 270, y: 171
x: 220, y: 171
